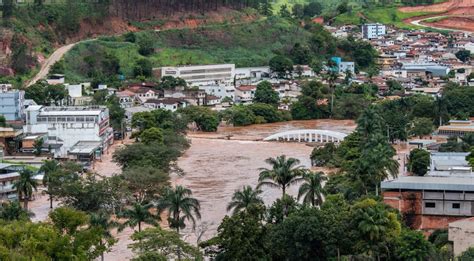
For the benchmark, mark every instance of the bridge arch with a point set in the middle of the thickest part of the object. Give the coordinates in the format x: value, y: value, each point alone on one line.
x: 321, y: 136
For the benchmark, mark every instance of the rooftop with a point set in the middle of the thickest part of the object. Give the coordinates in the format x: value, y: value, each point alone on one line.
x: 430, y: 183
x: 85, y: 147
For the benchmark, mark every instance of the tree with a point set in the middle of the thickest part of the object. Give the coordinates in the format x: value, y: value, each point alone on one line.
x: 322, y: 156
x: 245, y: 198
x: 463, y: 55
x: 139, y: 213
x: 467, y: 255
x: 25, y: 185
x: 102, y: 221
x: 422, y: 127
x: 50, y: 167
x: 7, y: 9
x: 419, y: 161
x: 284, y: 172
x: 3, y: 121
x: 181, y: 206
x: 239, y: 115
x: 130, y: 37
x: 299, y: 237
x: 284, y: 12
x: 145, y: 182
x: 37, y: 93
x: 12, y: 211
x: 376, y: 227
x: 146, y: 45
x: 152, y: 135
x: 312, y: 188
x: 170, y: 82
x: 281, y: 65
x: 266, y: 94
x: 240, y: 237
x: 38, y: 146
x: 158, y: 244
x: 205, y: 119
x: 413, y: 246
x: 266, y: 8
x: 55, y: 94
x: 143, y: 68
x: 68, y: 220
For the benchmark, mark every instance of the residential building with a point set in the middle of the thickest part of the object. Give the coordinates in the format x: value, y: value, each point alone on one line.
x: 341, y: 66
x: 245, y: 93
x: 253, y: 73
x: 372, y: 31
x: 11, y: 104
x: 68, y: 126
x: 9, y: 173
x: 450, y: 164
x: 461, y: 233
x: 220, y: 91
x: 9, y: 139
x: 200, y: 74
x: 430, y: 203
x: 169, y: 104
x: 456, y: 128
x: 56, y: 79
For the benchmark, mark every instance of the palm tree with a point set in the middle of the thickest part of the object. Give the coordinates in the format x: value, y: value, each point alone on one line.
x: 181, y: 206
x: 244, y: 198
x: 49, y: 167
x: 25, y: 186
x: 102, y: 221
x: 138, y: 214
x: 312, y: 188
x: 284, y: 172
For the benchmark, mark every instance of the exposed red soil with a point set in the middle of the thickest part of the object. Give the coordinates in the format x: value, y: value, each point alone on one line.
x: 450, y: 8
x: 455, y: 22
x: 447, y: 6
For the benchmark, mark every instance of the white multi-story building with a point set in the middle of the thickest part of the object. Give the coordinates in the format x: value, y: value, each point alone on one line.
x: 12, y: 104
x: 200, y: 74
x: 245, y: 93
x: 220, y: 91
x: 69, y: 126
x: 373, y: 31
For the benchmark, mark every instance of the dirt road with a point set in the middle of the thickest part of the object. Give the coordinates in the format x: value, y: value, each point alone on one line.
x: 50, y: 61
x: 419, y: 22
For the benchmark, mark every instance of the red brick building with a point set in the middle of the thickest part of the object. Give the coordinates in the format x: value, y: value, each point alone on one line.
x: 430, y: 203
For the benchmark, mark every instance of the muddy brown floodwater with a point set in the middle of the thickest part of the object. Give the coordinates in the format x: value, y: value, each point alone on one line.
x: 215, y: 167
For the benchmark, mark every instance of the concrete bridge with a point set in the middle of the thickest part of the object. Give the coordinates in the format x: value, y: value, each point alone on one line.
x: 320, y: 136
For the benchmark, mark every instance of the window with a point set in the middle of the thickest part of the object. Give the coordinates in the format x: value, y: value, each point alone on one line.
x: 430, y: 205
x: 456, y: 205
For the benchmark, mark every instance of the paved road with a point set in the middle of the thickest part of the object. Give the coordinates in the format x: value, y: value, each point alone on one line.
x: 419, y: 23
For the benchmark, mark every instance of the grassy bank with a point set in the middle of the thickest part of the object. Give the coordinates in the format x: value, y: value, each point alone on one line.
x: 250, y: 44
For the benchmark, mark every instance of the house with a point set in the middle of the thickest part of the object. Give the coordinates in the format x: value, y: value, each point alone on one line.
x: 343, y: 67
x: 126, y: 98
x: 245, y: 93
x: 212, y: 100
x: 66, y: 126
x: 9, y: 139
x: 56, y: 79
x: 428, y: 202
x: 143, y: 93
x: 220, y: 91
x: 169, y: 104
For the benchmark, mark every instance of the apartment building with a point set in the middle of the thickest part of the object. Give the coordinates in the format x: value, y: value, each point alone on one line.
x: 68, y: 126
x: 11, y: 104
x: 373, y: 31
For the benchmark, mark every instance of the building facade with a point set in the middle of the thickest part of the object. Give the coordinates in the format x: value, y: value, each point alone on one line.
x: 430, y: 203
x: 372, y: 31
x: 200, y: 74
x: 70, y: 125
x: 11, y: 104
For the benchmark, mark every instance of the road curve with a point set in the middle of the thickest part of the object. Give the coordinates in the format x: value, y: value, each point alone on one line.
x: 419, y: 23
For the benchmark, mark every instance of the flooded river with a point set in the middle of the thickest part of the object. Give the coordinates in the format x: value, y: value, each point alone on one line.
x: 216, y: 167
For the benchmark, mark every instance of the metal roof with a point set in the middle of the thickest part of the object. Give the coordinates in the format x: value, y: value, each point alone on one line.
x: 430, y: 183
x: 85, y: 147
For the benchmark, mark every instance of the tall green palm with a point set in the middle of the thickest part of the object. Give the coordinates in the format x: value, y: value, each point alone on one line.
x: 49, y: 167
x: 25, y: 186
x: 312, y: 188
x: 138, y: 214
x: 102, y: 221
x: 244, y: 198
x: 181, y: 206
x: 284, y: 172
